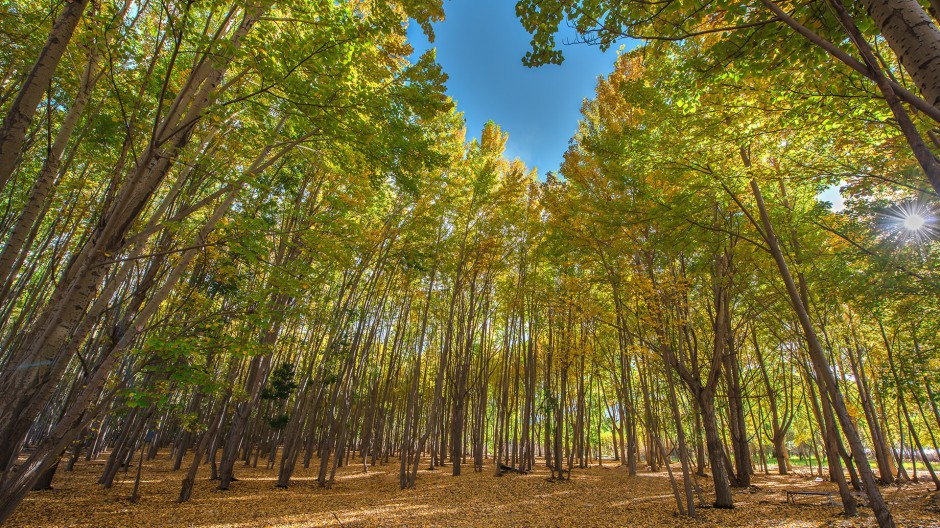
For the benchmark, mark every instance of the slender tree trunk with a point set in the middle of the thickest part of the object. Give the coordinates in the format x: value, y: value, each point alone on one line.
x: 871, y: 417
x: 20, y: 114
x: 186, y: 488
x: 25, y: 390
x: 915, y: 440
x: 885, y: 520
x: 778, y: 438
x: 716, y: 452
x: 38, y: 201
x: 687, y: 476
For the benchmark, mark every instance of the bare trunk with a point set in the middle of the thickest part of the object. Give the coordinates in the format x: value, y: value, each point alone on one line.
x: 20, y: 114
x: 914, y: 38
x: 32, y: 367
x: 818, y: 358
x: 716, y: 452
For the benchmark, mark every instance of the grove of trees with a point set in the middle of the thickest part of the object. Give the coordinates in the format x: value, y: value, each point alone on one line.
x: 253, y: 232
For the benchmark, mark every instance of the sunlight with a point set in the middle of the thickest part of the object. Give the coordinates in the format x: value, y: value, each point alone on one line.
x: 535, y: 262
x: 914, y: 222
x: 911, y: 221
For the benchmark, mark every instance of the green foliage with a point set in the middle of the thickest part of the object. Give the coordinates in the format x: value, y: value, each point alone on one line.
x: 281, y: 383
x: 379, y: 252
x: 279, y: 422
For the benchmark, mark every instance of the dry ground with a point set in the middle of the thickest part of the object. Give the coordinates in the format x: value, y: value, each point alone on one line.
x: 599, y: 496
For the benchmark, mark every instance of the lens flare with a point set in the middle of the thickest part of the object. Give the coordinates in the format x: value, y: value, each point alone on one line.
x: 911, y: 222
x: 914, y: 222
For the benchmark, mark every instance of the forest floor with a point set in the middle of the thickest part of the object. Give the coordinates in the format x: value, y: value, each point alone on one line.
x: 597, y: 496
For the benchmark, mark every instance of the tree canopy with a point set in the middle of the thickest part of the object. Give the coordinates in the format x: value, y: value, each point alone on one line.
x: 257, y: 230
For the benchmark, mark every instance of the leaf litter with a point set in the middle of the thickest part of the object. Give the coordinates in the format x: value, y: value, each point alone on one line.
x: 594, y: 497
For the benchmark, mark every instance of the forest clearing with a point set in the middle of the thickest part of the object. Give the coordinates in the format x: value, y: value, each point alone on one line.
x: 281, y: 263
x: 594, y: 497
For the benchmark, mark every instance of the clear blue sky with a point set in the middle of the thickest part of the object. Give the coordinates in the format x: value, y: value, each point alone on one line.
x: 480, y: 45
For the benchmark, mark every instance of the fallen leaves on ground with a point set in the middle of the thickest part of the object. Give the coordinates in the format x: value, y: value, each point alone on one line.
x: 597, y: 496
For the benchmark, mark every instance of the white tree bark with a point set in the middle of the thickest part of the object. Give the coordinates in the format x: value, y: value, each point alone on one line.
x: 20, y: 115
x: 914, y: 38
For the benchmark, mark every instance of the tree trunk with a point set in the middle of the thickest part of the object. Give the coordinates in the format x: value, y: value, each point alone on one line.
x: 716, y: 451
x: 737, y: 424
x: 39, y: 197
x: 885, y: 520
x: 877, y: 437
x: 20, y: 114
x: 26, y: 390
x: 680, y: 438
x: 914, y: 38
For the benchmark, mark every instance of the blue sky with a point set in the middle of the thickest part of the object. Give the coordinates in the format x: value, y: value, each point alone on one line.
x: 480, y: 45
